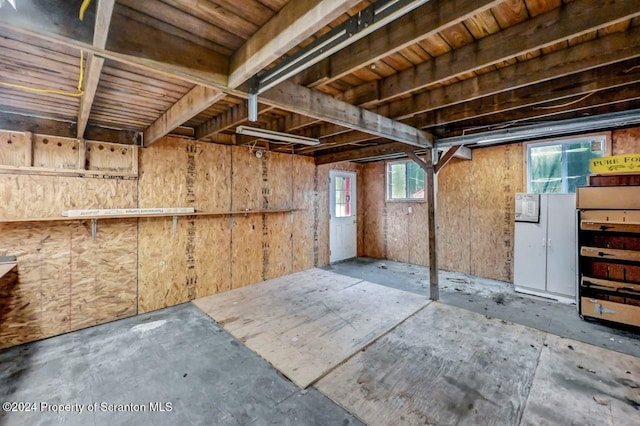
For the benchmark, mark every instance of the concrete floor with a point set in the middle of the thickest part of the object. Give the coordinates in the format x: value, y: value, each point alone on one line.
x: 182, y: 362
x: 496, y: 299
x: 176, y: 359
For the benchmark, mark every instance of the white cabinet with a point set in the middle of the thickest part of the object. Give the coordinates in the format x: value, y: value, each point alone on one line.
x: 545, y: 252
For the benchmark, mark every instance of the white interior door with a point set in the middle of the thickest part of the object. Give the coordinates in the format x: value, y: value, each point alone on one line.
x: 561, y: 244
x: 343, y: 229
x: 530, y: 259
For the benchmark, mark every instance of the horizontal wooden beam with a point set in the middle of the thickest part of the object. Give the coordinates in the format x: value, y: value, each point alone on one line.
x: 616, y: 99
x: 560, y: 90
x: 295, y: 22
x: 232, y: 117
x: 607, y: 50
x: 362, y: 153
x: 573, y: 19
x: 133, y: 43
x: 299, y: 99
x: 43, y: 126
x: 419, y: 24
x: 193, y: 103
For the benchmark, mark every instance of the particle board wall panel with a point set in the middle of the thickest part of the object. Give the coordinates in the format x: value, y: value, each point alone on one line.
x: 279, y: 180
x: 246, y: 250
x: 247, y: 177
x: 278, y: 251
x: 66, y: 281
x: 29, y: 196
x: 303, y: 218
x: 397, y: 232
x: 213, y: 170
x: 195, y: 262
x: 373, y: 210
x: 15, y: 148
x: 213, y: 262
x: 109, y: 157
x: 418, y: 233
x: 453, y: 216
x: 103, y: 273
x: 626, y: 141
x: 496, y: 176
x: 55, y: 152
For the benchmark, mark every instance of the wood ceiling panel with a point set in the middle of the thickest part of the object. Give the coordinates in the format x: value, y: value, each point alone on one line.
x: 435, y: 45
x: 482, y: 25
x: 510, y: 13
x: 169, y: 12
x: 457, y: 36
x: 538, y: 7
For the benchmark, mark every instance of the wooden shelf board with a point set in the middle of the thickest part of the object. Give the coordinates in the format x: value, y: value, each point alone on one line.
x: 6, y: 267
x: 124, y: 216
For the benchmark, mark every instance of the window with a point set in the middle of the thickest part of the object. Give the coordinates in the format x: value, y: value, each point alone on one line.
x: 343, y: 196
x: 405, y: 181
x: 561, y: 166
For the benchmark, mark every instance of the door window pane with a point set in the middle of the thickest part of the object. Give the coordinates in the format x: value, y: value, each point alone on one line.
x: 343, y: 196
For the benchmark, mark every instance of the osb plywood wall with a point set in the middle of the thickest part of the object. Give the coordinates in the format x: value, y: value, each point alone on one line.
x: 626, y: 141
x: 392, y: 230
x: 475, y: 211
x: 65, y: 280
x: 321, y: 227
x: 213, y: 254
x: 474, y: 216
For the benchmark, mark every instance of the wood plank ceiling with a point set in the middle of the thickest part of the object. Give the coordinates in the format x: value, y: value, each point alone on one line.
x: 446, y: 68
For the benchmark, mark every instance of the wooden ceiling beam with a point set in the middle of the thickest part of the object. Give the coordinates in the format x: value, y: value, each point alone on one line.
x: 193, y: 103
x: 65, y: 129
x: 133, y: 43
x: 603, y: 51
x: 558, y: 90
x: 301, y: 100
x: 603, y: 98
x: 573, y: 19
x: 232, y: 117
x: 419, y: 24
x: 94, y: 64
x: 295, y: 22
x: 361, y: 153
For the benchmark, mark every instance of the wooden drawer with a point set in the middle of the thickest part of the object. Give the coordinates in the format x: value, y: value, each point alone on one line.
x: 608, y: 197
x: 610, y: 311
x: 617, y: 179
x: 610, y: 220
x: 610, y: 254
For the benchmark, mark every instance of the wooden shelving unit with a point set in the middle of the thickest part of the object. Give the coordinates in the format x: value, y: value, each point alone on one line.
x: 609, y: 244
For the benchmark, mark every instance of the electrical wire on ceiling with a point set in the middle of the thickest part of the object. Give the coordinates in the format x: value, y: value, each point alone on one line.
x: 79, y: 92
x: 83, y: 8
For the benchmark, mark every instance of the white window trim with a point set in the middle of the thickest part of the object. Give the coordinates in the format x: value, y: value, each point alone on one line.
x: 388, y: 199
x: 554, y: 141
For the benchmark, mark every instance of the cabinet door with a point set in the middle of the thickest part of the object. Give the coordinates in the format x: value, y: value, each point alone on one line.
x: 530, y: 257
x: 561, y: 244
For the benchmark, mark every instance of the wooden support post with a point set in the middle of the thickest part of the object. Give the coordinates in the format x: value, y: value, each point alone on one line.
x: 429, y: 182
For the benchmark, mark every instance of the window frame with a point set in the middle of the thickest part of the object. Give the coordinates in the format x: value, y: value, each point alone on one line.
x: 387, y: 183
x: 606, y: 139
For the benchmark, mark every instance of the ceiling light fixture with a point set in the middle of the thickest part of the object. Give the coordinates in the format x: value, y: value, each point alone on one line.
x: 276, y: 136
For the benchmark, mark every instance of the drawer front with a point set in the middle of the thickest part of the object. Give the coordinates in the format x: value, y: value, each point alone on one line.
x: 608, y: 197
x: 610, y: 311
